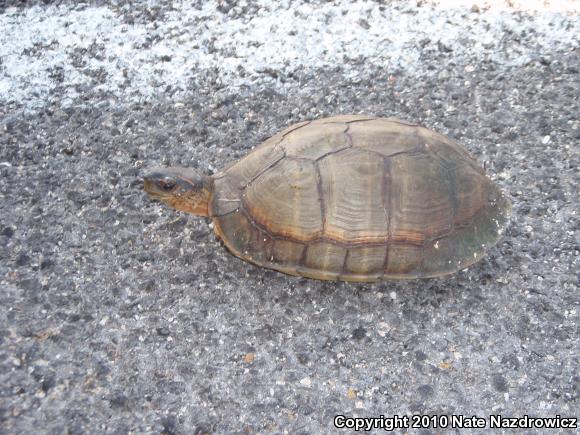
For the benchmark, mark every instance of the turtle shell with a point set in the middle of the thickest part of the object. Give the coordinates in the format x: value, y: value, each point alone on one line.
x: 358, y: 198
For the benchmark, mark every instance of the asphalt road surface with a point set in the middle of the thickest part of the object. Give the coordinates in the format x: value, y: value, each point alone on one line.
x: 118, y: 315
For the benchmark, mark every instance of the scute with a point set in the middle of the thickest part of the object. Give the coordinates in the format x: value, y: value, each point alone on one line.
x: 241, y: 237
x: 366, y: 260
x: 404, y: 261
x: 449, y: 153
x: 384, y: 137
x: 228, y: 197
x: 241, y: 173
x: 277, y: 138
x: 287, y: 252
x: 470, y: 187
x: 316, y: 140
x: 466, y: 245
x: 325, y: 256
x: 353, y: 183
x: 421, y: 203
x: 285, y: 200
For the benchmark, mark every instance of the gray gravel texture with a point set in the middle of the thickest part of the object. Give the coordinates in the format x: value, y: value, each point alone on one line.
x: 118, y: 315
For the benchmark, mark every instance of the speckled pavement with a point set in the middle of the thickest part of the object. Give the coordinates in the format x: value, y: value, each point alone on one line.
x: 118, y: 315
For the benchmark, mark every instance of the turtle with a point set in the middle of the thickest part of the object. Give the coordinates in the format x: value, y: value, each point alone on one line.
x: 350, y: 198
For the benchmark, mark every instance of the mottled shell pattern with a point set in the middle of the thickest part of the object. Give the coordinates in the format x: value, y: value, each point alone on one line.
x: 358, y: 198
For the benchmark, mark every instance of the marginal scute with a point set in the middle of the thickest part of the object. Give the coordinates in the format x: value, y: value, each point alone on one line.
x: 442, y: 255
x: 242, y: 238
x: 384, y: 137
x: 421, y: 204
x: 325, y: 256
x: 355, y: 277
x: 235, y: 229
x: 352, y: 183
x: 493, y: 219
x: 226, y: 197
x: 287, y: 253
x: 315, y: 140
x: 366, y: 260
x: 404, y: 261
x: 285, y: 200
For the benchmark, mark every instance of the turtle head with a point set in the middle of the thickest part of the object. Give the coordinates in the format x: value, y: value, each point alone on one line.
x: 180, y: 188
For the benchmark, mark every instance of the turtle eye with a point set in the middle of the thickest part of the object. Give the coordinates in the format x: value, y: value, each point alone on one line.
x: 167, y: 185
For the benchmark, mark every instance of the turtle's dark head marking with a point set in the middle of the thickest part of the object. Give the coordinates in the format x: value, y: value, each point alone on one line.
x: 180, y: 188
